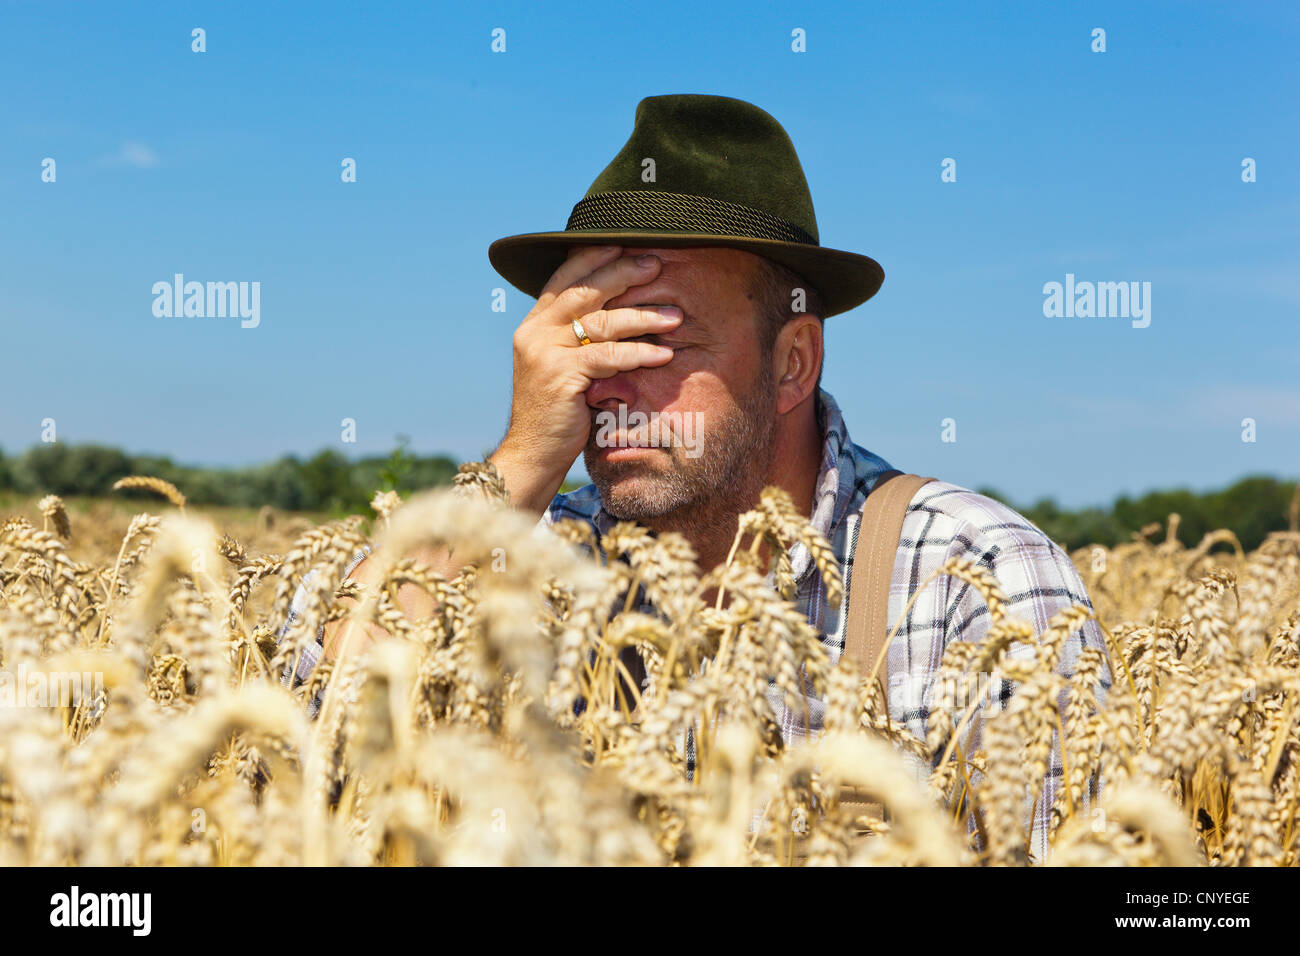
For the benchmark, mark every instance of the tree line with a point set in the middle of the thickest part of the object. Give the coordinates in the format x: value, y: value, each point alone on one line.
x: 332, y: 483
x: 1250, y: 508
x: 326, y: 482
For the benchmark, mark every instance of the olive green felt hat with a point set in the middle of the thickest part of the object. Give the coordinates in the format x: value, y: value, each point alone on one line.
x: 724, y: 174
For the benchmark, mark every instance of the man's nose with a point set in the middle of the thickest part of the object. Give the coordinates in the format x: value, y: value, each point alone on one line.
x: 609, y: 393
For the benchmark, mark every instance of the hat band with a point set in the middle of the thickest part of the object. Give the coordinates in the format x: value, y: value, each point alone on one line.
x: 680, y: 212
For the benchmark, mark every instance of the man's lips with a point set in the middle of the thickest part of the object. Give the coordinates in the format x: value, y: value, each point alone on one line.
x: 625, y: 453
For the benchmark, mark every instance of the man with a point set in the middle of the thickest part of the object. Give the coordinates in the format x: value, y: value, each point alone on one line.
x: 699, y: 294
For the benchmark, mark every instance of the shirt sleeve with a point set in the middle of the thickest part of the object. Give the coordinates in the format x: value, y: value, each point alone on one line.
x: 1038, y: 580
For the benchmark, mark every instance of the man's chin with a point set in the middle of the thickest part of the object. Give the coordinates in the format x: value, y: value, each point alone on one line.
x: 635, y: 490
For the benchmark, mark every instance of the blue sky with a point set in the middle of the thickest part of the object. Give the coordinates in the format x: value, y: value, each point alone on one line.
x: 376, y: 295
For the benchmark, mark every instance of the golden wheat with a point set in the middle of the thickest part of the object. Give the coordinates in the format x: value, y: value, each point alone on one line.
x: 506, y: 728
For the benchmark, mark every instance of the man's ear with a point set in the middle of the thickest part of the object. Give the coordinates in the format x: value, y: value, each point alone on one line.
x: 798, y: 359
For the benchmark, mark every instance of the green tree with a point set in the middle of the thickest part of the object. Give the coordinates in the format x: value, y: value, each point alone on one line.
x: 60, y: 469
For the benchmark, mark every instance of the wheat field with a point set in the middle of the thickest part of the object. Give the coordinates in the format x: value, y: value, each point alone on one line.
x: 456, y: 740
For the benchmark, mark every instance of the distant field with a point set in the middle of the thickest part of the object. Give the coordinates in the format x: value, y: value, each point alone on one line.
x: 98, y: 524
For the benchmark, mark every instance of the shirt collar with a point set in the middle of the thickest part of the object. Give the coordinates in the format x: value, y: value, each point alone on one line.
x: 840, y: 476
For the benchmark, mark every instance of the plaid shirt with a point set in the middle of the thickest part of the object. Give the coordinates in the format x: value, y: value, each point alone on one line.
x: 311, y: 653
x: 943, y: 521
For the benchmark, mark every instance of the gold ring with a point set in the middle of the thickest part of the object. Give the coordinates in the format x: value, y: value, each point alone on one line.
x: 581, y: 333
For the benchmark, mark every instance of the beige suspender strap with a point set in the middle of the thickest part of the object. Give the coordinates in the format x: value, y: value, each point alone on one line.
x: 873, y: 566
x: 868, y: 622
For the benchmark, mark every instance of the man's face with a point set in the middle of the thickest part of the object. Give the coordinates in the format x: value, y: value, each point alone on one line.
x: 715, y: 400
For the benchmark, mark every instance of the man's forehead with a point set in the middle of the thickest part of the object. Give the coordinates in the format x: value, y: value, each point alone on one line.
x: 711, y: 284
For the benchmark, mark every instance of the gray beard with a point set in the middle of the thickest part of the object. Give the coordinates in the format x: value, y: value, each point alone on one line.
x: 706, y: 493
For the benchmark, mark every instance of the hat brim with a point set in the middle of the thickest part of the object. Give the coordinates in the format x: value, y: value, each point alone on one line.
x: 844, y: 280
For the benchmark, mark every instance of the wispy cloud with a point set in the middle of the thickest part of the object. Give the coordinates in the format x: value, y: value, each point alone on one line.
x: 134, y: 154
x: 1278, y: 405
x: 1211, y: 406
x: 1276, y: 280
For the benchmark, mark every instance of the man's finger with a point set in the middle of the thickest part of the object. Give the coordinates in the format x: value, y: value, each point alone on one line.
x: 606, y: 359
x: 590, y: 292
x: 608, y: 325
x: 584, y: 261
